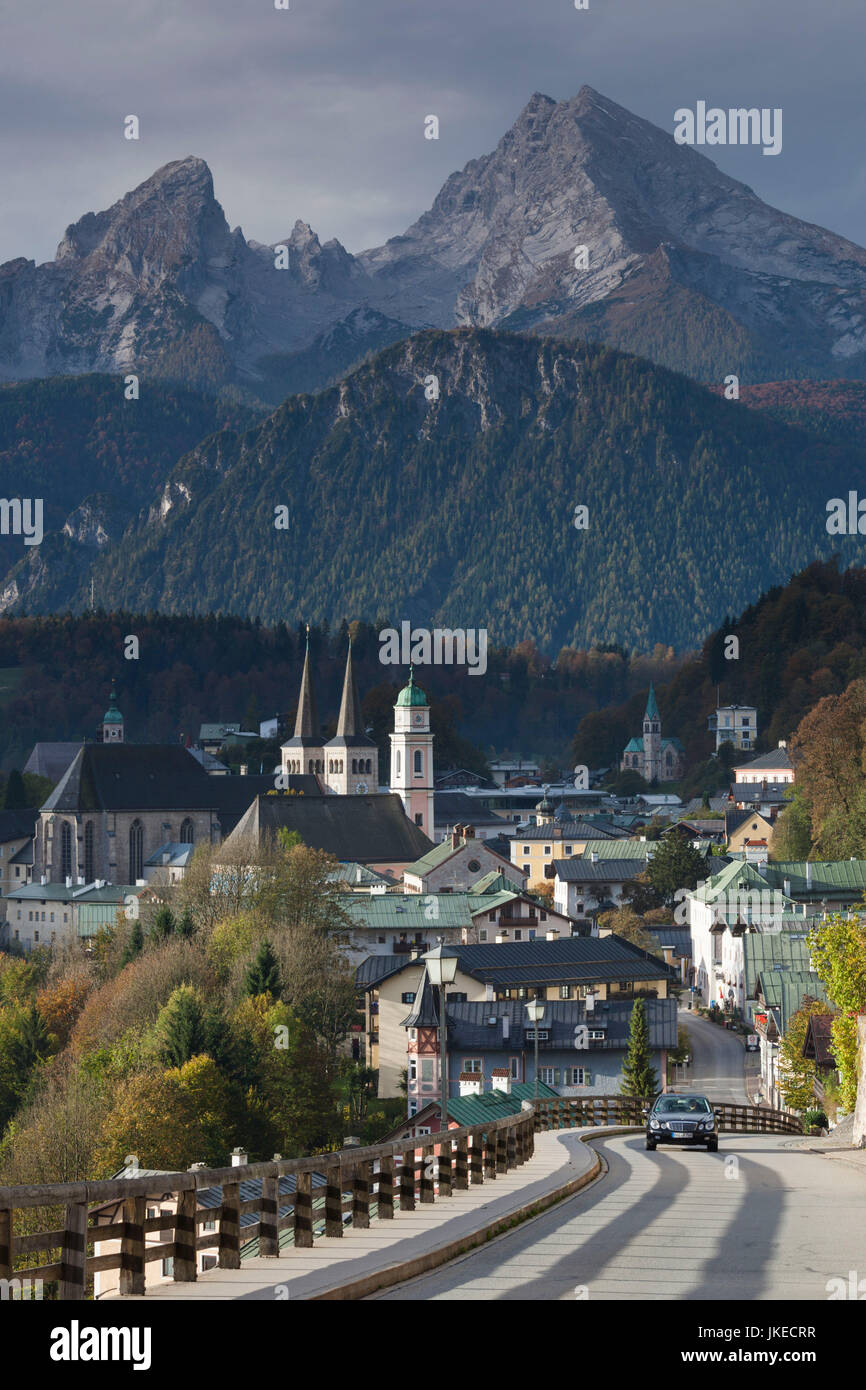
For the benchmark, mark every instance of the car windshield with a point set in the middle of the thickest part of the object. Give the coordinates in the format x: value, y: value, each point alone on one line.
x: 682, y: 1105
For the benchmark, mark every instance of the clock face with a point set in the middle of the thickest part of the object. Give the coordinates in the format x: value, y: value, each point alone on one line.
x: 419, y: 719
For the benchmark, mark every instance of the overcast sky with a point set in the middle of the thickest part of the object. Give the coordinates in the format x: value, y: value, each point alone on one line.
x: 317, y: 112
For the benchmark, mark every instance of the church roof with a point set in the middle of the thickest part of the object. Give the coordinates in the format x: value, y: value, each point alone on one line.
x: 634, y: 745
x: 411, y: 694
x: 51, y: 759
x: 372, y: 829
x: 112, y: 714
x: 652, y: 709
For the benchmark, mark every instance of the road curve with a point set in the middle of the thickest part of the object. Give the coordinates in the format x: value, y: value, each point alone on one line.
x: 718, y: 1058
x: 758, y: 1220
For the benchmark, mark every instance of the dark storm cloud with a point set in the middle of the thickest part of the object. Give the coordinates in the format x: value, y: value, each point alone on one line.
x: 317, y: 112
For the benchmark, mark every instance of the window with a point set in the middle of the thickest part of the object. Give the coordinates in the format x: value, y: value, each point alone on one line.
x: 136, y: 851
x: 413, y: 1069
x: 518, y: 935
x: 208, y: 1262
x: 526, y: 849
x: 36, y: 936
x: 575, y: 1076
x: 66, y: 849
x: 565, y: 991
x: 569, y: 849
x: 209, y: 1225
x: 473, y: 866
x: 544, y: 916
x: 187, y: 832
x: 354, y: 764
x: 426, y: 1070
x: 408, y: 997
x: 514, y: 1068
x: 419, y: 818
x: 397, y: 764
x: 88, y: 852
x: 418, y: 762
x: 422, y: 1129
x: 482, y: 935
x: 458, y: 997
x: 549, y: 1075
x: 526, y: 869
x: 548, y: 849
x: 472, y: 1064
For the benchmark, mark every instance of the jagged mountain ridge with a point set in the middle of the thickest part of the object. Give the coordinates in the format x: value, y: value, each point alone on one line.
x: 686, y: 265
x: 459, y: 511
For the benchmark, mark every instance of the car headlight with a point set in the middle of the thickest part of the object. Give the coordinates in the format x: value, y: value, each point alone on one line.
x: 654, y: 1124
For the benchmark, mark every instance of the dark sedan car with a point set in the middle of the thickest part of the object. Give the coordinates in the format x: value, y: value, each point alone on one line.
x: 676, y: 1119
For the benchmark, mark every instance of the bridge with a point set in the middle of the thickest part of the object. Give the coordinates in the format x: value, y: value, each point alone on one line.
x: 352, y: 1223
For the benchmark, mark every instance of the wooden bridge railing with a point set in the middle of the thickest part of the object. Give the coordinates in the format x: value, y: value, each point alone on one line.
x: 576, y: 1112
x: 365, y: 1182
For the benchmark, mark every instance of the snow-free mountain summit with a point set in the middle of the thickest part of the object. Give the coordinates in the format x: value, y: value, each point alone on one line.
x: 684, y: 264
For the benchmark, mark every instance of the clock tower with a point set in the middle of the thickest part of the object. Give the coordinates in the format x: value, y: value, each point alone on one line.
x: 412, y: 755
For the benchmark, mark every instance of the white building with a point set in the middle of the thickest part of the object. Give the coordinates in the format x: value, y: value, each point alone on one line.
x: 736, y: 724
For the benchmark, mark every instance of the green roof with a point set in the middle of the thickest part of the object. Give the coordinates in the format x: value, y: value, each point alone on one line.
x: 112, y: 714
x: 634, y: 745
x: 405, y: 912
x: 618, y: 849
x: 765, y: 951
x: 845, y: 876
x: 411, y: 694
x: 652, y: 709
x: 495, y: 882
x: 495, y: 1105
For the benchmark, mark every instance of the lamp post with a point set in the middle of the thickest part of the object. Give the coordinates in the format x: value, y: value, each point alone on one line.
x: 441, y: 965
x: 535, y: 1010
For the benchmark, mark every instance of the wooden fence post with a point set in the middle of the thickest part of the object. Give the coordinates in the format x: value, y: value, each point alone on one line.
x: 184, y: 1268
x: 461, y: 1165
x: 445, y: 1176
x: 269, y: 1215
x: 334, y: 1200
x: 425, y: 1186
x: 304, y: 1211
x: 230, y: 1227
x: 5, y: 1242
x: 476, y: 1159
x: 490, y: 1155
x: 74, y: 1252
x: 132, y: 1272
x: 385, y: 1196
x: 361, y: 1196
x: 407, y: 1181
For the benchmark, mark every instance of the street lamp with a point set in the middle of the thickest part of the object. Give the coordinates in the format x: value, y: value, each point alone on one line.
x: 535, y: 1009
x: 441, y: 965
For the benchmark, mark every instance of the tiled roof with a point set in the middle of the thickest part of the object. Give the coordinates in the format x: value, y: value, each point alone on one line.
x: 582, y: 870
x: 776, y: 759
x: 368, y: 829
x: 563, y: 830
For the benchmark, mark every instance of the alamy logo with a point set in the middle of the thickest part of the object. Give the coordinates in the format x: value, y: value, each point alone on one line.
x: 22, y: 516
x: 762, y: 906
x: 24, y: 1289
x: 737, y: 126
x: 77, y: 1343
x: 846, y: 518
x: 443, y: 646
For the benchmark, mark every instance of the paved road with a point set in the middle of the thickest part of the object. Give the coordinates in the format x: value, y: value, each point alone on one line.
x: 717, y: 1061
x: 758, y: 1220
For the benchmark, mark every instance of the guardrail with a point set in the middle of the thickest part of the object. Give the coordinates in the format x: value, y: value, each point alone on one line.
x: 361, y: 1181
x: 577, y: 1112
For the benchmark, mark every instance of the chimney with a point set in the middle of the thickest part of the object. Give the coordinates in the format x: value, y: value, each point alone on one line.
x: 131, y: 1161
x: 244, y: 769
x: 68, y: 880
x: 455, y: 837
x: 469, y: 832
x: 786, y: 887
x: 593, y: 856
x: 500, y: 1080
x: 488, y: 993
x: 471, y: 1083
x: 351, y: 1141
x: 808, y: 875
x: 506, y: 1028
x: 552, y: 934
x: 43, y: 878
x: 783, y: 743
x: 501, y: 937
x: 239, y: 1158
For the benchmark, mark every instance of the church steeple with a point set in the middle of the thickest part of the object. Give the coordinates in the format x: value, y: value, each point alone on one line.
x: 350, y: 722
x: 303, y: 752
x: 351, y: 757
x: 307, y: 717
x: 111, y: 728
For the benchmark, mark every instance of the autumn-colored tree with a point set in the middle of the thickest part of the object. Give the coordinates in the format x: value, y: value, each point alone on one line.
x: 797, y: 1073
x: 829, y: 752
x: 625, y: 922
x: 60, y: 1004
